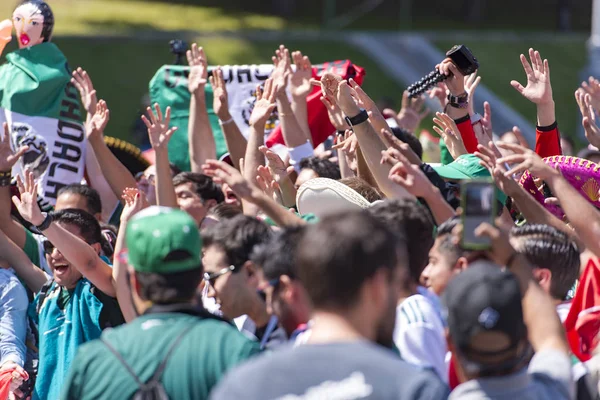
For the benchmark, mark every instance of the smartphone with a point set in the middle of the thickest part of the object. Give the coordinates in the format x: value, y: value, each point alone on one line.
x: 478, y: 202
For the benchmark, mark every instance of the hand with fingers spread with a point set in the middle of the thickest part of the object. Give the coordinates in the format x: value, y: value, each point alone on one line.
x: 538, y: 89
x: 135, y: 201
x: 347, y: 145
x: 158, y: 128
x: 440, y: 92
x: 447, y: 129
x: 27, y: 205
x: 412, y: 112
x: 336, y: 116
x: 282, y: 69
x: 592, y: 87
x: 198, y: 69
x: 329, y: 85
x: 220, y: 98
x: 501, y: 251
x: 406, y: 174
x: 363, y: 99
x: 347, y: 101
x: 526, y: 160
x: 221, y: 172
x: 82, y: 81
x: 8, y: 158
x: 520, y: 137
x: 300, y: 84
x: 275, y: 163
x: 402, y: 147
x: 264, y: 104
x: 97, y: 124
x: 471, y: 83
x: 488, y: 160
x: 267, y: 183
x: 592, y: 132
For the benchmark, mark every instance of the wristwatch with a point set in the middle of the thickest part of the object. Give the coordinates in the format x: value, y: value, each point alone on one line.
x: 361, y: 117
x: 46, y: 223
x: 460, y: 101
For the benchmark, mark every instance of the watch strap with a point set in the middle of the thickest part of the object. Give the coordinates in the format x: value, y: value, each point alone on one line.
x: 361, y: 117
x: 46, y: 223
x: 460, y: 101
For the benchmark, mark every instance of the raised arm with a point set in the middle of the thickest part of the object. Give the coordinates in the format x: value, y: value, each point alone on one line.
x: 160, y: 134
x: 8, y: 158
x: 236, y: 142
x: 29, y: 273
x: 301, y: 88
x: 200, y: 134
x: 263, y: 107
x: 80, y: 254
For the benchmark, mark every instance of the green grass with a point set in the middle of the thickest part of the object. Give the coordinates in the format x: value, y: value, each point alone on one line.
x: 122, y: 69
x: 499, y: 64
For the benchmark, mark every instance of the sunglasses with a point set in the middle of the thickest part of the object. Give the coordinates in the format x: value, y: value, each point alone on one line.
x: 48, y: 247
x: 211, y: 278
x: 150, y: 178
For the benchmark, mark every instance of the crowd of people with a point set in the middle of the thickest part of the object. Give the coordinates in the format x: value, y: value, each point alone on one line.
x: 322, y: 273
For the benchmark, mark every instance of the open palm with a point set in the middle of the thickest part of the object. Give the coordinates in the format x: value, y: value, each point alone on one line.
x: 82, y: 81
x: 264, y: 105
x: 198, y: 68
x: 159, y: 132
x: 538, y: 89
x: 98, y: 123
x: 27, y: 204
x: 300, y: 80
x: 8, y: 157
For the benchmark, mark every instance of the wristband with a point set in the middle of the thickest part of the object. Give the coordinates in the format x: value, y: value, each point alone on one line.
x: 46, y: 223
x: 361, y: 117
x: 460, y: 101
x: 230, y: 120
x: 5, y: 178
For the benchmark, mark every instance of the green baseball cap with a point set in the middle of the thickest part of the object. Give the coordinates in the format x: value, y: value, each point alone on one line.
x: 156, y: 232
x: 466, y: 167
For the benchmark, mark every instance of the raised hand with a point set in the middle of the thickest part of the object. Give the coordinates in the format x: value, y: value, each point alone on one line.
x: 336, y: 116
x: 265, y: 103
x: 592, y: 87
x: 362, y: 98
x: 412, y: 112
x: 275, y: 163
x: 135, y: 201
x: 282, y: 70
x: 8, y: 157
x: 348, y: 146
x: 158, y: 128
x: 27, y: 204
x: 471, y: 83
x: 267, y: 183
x: 440, y: 92
x: 300, y: 84
x: 447, y: 129
x: 329, y: 85
x: 96, y: 125
x: 592, y: 132
x: 82, y: 81
x: 538, y: 89
x: 402, y: 147
x: 406, y: 174
x: 220, y: 98
x: 222, y: 172
x: 456, y: 80
x: 198, y: 69
x: 488, y: 160
x: 526, y: 160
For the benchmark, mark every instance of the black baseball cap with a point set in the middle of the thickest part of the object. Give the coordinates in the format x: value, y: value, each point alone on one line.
x: 485, y: 316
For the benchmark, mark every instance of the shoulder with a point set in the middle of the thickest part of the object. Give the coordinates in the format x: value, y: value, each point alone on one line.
x: 417, y: 309
x: 553, y: 367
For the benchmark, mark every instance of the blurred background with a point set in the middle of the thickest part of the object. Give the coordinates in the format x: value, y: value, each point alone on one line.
x: 122, y: 43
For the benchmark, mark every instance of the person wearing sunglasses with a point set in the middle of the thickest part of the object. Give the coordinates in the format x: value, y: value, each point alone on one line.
x: 232, y: 278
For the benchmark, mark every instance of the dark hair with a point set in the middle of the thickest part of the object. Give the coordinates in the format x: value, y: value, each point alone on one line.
x: 361, y: 187
x: 336, y: 256
x: 446, y: 241
x: 411, y: 140
x: 409, y: 219
x: 46, y: 12
x: 547, y: 247
x: 322, y: 167
x: 87, y: 224
x: 109, y: 239
x: 175, y: 170
x: 277, y: 257
x: 92, y: 197
x: 202, y: 185
x: 238, y: 238
x: 176, y: 287
x: 224, y: 211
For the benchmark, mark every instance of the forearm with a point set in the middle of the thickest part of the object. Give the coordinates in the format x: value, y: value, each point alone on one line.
x: 165, y: 192
x: 281, y: 216
x: 292, y: 132
x: 235, y: 141
x: 362, y: 169
x: 33, y: 276
x: 252, y: 160
x: 288, y: 191
x: 467, y: 133
x: 300, y: 111
x: 120, y: 277
x: 371, y: 147
x: 546, y: 115
x: 116, y: 174
x: 99, y: 182
x: 345, y: 170
x: 441, y: 210
x: 83, y: 257
x: 547, y: 141
x: 584, y: 218
x: 200, y: 135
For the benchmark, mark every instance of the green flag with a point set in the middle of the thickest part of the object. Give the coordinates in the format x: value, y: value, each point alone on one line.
x: 43, y: 111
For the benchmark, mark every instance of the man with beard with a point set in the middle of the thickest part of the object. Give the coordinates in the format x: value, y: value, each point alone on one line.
x: 354, y: 283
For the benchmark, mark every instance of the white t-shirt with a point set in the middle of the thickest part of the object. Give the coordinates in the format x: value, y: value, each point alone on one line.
x: 419, y: 334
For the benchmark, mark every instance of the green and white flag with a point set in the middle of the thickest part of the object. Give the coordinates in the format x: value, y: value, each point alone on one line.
x: 43, y: 111
x: 169, y: 87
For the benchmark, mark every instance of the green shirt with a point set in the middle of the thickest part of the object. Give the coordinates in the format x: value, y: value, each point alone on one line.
x: 196, y: 365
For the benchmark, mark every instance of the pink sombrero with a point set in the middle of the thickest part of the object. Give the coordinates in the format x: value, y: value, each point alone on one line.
x: 582, y: 174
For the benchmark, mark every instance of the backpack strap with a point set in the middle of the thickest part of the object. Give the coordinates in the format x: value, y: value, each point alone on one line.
x: 42, y: 294
x: 159, y: 371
